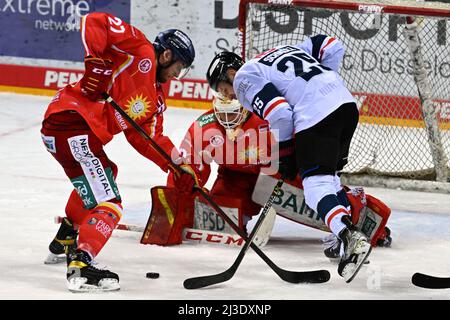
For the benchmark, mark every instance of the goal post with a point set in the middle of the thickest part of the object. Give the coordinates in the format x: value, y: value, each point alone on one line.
x: 397, y: 66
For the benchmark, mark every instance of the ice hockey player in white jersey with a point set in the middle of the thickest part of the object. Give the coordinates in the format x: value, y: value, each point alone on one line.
x: 298, y: 90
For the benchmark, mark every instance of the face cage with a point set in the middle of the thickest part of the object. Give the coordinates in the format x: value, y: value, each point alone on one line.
x: 231, y: 110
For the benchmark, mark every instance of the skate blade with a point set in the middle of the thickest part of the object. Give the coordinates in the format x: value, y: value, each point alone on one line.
x: 55, y: 258
x: 78, y: 284
x: 351, y: 270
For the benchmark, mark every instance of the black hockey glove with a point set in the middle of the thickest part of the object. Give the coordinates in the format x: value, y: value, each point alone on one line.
x: 287, y: 166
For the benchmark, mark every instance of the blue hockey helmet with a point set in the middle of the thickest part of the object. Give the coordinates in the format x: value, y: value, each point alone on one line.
x: 178, y: 42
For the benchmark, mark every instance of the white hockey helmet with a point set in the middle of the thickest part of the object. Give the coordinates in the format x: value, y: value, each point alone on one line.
x: 229, y: 113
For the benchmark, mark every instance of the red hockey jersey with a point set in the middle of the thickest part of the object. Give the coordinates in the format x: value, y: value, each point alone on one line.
x: 247, y: 151
x: 133, y: 86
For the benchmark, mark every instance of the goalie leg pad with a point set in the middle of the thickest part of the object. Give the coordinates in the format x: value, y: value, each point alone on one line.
x: 206, y: 218
x: 172, y: 211
x: 290, y: 205
x: 370, y: 215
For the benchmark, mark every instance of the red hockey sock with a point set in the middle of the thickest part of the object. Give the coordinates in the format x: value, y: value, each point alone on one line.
x: 97, y: 227
x: 75, y: 210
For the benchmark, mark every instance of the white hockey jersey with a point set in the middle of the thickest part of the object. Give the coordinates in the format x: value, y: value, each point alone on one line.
x: 294, y: 87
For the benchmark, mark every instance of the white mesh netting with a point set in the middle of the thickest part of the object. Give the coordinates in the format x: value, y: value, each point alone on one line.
x: 391, y: 138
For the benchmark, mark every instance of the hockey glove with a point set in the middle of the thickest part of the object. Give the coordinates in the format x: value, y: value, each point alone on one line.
x: 96, y: 78
x: 186, y: 180
x: 286, y: 163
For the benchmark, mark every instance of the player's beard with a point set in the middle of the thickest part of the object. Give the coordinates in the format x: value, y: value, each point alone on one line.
x: 159, y: 76
x: 160, y: 73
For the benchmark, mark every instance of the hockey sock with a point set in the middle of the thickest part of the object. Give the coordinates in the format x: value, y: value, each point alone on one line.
x: 332, y: 212
x: 75, y: 209
x: 343, y: 200
x: 98, y: 226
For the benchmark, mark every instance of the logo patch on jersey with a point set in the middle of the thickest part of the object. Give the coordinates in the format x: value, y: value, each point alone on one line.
x: 243, y: 87
x: 103, y: 228
x: 85, y: 192
x: 138, y: 107
x: 120, y: 120
x: 216, y: 141
x: 161, y: 105
x: 145, y: 65
x: 97, y: 184
x: 49, y: 143
x: 206, y: 119
x: 249, y: 155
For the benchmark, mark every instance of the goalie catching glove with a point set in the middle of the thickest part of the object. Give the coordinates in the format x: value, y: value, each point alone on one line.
x: 97, y: 76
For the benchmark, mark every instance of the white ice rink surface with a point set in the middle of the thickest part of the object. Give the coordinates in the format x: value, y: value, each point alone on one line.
x: 34, y: 189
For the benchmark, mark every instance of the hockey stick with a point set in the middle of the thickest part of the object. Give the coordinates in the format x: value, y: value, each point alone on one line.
x: 430, y: 282
x: 189, y: 234
x: 201, y: 282
x: 289, y: 276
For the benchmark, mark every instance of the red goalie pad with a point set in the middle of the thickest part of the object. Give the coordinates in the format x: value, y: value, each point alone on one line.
x: 369, y: 214
x: 172, y: 211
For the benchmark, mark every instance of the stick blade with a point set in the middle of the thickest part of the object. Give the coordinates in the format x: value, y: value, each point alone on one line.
x: 205, y: 281
x: 430, y: 282
x: 316, y: 276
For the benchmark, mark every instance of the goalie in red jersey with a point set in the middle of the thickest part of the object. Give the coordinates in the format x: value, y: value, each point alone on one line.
x: 231, y: 137
x: 78, y: 123
x: 241, y: 144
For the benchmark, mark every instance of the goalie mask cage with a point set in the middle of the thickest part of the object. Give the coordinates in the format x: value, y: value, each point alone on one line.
x: 397, y: 66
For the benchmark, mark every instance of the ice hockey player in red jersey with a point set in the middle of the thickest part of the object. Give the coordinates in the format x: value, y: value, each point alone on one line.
x: 78, y: 123
x: 240, y: 143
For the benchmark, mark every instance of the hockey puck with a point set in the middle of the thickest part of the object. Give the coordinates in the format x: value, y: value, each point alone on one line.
x: 152, y: 275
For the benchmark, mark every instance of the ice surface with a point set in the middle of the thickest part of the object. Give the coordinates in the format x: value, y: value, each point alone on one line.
x: 33, y: 189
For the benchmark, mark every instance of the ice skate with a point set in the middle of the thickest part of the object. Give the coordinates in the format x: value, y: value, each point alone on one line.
x: 332, y: 248
x: 64, y: 243
x: 83, y: 276
x: 355, y: 250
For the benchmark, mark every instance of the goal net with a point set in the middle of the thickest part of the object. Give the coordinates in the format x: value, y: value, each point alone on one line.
x: 397, y: 65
